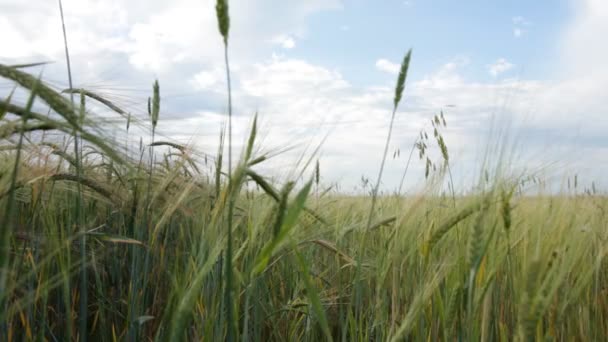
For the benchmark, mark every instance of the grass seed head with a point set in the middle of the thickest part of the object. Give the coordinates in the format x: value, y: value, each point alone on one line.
x: 444, y: 148
x: 223, y: 18
x: 506, y: 208
x: 155, y: 104
x: 401, y: 79
x: 476, y: 240
x: 317, y: 173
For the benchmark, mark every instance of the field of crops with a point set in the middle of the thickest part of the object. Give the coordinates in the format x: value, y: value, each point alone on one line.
x: 106, y: 240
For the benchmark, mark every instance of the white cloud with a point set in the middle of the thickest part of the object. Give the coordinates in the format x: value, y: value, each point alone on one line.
x: 155, y: 34
x: 387, y: 66
x: 519, y: 22
x: 20, y: 47
x: 499, y: 67
x: 517, y: 32
x: 289, y: 43
x: 583, y: 49
x: 286, y: 41
x: 283, y: 77
x: 33, y: 29
x: 209, y: 79
x: 446, y: 76
x: 300, y: 101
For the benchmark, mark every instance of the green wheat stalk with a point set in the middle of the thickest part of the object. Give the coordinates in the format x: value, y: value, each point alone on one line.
x: 398, y: 94
x: 223, y: 19
x: 82, y: 317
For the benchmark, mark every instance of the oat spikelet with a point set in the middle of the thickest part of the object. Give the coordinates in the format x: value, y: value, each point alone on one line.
x: 444, y: 148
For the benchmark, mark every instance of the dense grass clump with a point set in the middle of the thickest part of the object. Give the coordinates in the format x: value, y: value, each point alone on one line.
x: 105, y: 241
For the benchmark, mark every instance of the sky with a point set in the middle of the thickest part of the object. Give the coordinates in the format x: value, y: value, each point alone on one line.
x: 529, y: 76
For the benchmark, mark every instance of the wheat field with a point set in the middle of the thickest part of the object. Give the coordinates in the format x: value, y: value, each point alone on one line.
x: 105, y: 240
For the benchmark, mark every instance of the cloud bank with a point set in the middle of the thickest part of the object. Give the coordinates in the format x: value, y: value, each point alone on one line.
x: 118, y: 47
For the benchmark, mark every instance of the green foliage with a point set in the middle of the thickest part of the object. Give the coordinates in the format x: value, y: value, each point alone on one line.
x: 177, y: 251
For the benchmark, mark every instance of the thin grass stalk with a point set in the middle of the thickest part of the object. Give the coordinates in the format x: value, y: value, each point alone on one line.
x: 407, y: 165
x: 67, y: 51
x: 138, y: 281
x: 398, y: 93
x: 229, y: 112
x: 218, y: 164
x: 229, y: 302
x: 5, y: 227
x: 30, y: 65
x: 452, y: 184
x: 155, y: 114
x: 100, y: 99
x: 82, y: 317
x: 79, y: 211
x: 224, y: 27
